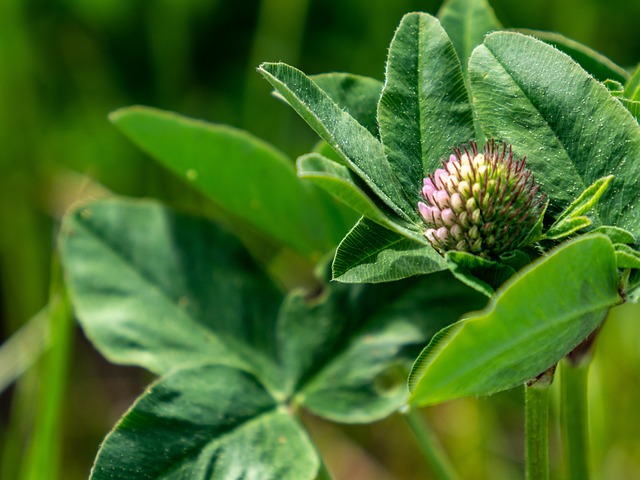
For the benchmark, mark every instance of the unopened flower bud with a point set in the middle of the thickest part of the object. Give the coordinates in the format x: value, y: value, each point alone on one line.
x: 482, y: 203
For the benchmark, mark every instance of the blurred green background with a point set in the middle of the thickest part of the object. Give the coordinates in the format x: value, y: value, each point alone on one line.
x: 65, y: 64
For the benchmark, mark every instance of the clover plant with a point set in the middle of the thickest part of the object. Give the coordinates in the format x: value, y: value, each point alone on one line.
x: 484, y: 209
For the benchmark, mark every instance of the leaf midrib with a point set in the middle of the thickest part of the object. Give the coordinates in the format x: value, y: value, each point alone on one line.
x: 335, y: 145
x: 373, y: 253
x: 175, y: 308
x: 198, y: 447
x: 515, y: 342
x: 231, y: 430
x: 547, y: 124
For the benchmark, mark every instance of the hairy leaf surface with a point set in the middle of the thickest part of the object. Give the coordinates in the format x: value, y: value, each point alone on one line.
x: 206, y: 422
x: 371, y: 253
x: 593, y: 62
x: 358, y: 147
x: 573, y: 132
x: 424, y: 109
x: 160, y: 290
x: 348, y: 358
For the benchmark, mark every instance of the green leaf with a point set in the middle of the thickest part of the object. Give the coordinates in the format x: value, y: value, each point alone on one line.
x: 615, y: 87
x: 245, y: 176
x: 206, y: 422
x: 167, y: 291
x: 356, y: 94
x: 633, y: 291
x: 161, y: 290
x: 632, y: 87
x: 571, y: 219
x: 629, y: 96
x: 535, y: 234
x: 467, y: 22
x: 535, y: 319
x: 593, y: 62
x: 626, y: 256
x: 632, y: 105
x: 340, y: 182
x: 587, y: 199
x: 349, y: 355
x: 358, y: 147
x: 371, y: 253
x: 517, y: 259
x: 324, y: 149
x: 554, y: 113
x: 615, y: 234
x: 566, y: 227
x: 481, y: 274
x: 424, y: 109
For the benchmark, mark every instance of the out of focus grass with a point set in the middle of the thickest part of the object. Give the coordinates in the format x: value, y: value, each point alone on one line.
x: 64, y: 64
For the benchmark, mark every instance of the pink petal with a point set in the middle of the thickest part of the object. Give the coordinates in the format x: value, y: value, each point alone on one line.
x: 448, y: 217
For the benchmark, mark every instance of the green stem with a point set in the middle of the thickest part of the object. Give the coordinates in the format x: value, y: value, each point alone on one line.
x: 43, y: 456
x: 536, y: 396
x: 430, y: 447
x: 323, y: 473
x: 573, y: 411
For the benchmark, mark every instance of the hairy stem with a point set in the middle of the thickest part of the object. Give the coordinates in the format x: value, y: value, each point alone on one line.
x: 430, y: 447
x: 536, y: 396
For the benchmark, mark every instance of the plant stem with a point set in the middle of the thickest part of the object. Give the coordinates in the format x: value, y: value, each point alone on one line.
x: 573, y: 411
x: 536, y: 396
x: 43, y: 456
x: 430, y: 447
x: 323, y: 473
x: 573, y: 408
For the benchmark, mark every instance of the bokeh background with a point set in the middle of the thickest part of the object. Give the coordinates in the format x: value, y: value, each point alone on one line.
x: 65, y: 64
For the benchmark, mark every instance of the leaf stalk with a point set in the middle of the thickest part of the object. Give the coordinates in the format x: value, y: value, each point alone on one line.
x: 536, y: 394
x: 573, y: 411
x: 430, y: 447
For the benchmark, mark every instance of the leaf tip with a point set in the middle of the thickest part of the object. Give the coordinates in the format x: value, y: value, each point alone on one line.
x: 116, y: 116
x: 267, y: 68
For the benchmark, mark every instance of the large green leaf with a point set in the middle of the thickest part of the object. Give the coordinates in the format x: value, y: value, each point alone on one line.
x: 245, y: 176
x: 467, y: 22
x: 371, y: 253
x: 347, y: 358
x: 204, y: 423
x: 354, y: 143
x: 535, y: 319
x: 593, y: 62
x: 358, y: 95
x: 166, y: 291
x: 160, y: 290
x: 424, y: 109
x: 567, y: 124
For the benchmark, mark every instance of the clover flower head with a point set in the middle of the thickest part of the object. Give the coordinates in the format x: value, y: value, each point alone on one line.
x: 483, y: 203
